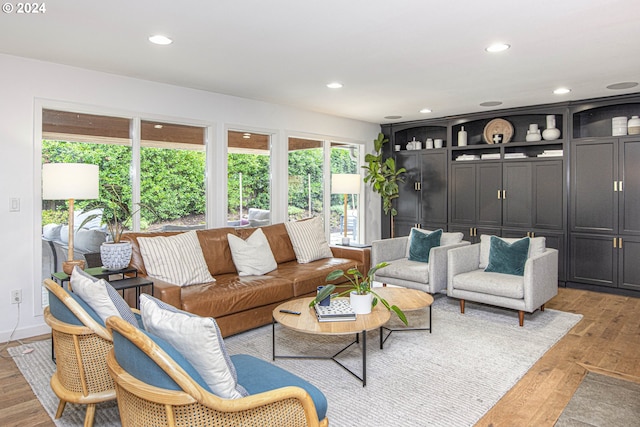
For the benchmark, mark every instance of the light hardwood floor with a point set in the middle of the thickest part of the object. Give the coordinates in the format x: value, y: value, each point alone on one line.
x: 607, y: 340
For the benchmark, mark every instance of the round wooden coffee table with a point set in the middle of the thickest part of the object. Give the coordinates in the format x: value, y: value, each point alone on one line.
x: 407, y: 300
x: 307, y: 322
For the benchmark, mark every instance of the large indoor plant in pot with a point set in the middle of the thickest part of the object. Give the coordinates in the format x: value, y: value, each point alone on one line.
x: 358, y: 286
x: 383, y: 176
x: 116, y: 214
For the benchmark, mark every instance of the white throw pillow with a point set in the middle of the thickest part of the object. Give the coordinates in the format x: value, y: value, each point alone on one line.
x: 198, y: 339
x: 446, y: 239
x: 308, y: 240
x: 252, y: 257
x: 175, y: 259
x: 101, y: 296
x: 536, y: 247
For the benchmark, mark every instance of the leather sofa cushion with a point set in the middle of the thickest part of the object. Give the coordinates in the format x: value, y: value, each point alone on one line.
x: 278, y: 240
x: 215, y: 247
x: 307, y: 277
x: 231, y: 293
x: 498, y: 284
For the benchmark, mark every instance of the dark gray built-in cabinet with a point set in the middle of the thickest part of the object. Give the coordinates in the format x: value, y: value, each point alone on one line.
x: 581, y: 191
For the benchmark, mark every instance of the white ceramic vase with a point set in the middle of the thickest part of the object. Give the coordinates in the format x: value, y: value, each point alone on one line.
x: 462, y: 137
x: 361, y: 304
x: 115, y: 256
x: 551, y: 132
x: 533, y: 133
x: 633, y: 126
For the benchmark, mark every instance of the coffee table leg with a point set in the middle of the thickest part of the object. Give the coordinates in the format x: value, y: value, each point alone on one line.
x: 273, y: 339
x: 364, y: 358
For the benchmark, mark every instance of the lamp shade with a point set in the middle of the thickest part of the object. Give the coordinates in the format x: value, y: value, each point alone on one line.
x: 345, y: 183
x: 62, y: 181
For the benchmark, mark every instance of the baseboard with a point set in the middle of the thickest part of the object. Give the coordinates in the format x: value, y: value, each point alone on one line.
x: 28, y: 332
x: 603, y: 289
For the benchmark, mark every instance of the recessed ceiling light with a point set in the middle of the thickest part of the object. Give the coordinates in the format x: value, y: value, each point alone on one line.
x: 425, y: 111
x: 498, y: 47
x: 334, y: 85
x: 392, y: 117
x: 491, y: 103
x: 246, y: 135
x: 623, y: 85
x: 562, y: 91
x: 158, y: 126
x: 160, y: 39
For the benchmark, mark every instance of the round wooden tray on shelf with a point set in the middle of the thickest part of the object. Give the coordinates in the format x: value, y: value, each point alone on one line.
x: 497, y: 126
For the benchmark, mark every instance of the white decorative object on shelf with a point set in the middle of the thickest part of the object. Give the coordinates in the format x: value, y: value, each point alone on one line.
x: 429, y: 143
x: 465, y: 157
x: 462, y: 137
x: 633, y: 126
x: 619, y: 126
x: 551, y: 132
x: 533, y: 133
x: 437, y: 143
x: 515, y: 156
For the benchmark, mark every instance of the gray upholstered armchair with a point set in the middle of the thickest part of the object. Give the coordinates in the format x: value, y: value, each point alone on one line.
x: 429, y: 277
x: 468, y: 280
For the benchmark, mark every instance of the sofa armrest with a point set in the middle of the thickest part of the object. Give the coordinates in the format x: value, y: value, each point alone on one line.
x: 167, y: 292
x: 438, y: 260
x: 361, y: 255
x: 388, y: 249
x: 461, y: 260
x: 540, y: 279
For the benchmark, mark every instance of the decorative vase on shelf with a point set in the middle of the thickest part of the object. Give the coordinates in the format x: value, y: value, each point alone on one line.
x: 633, y: 126
x: 462, y: 137
x: 533, y: 133
x: 551, y: 132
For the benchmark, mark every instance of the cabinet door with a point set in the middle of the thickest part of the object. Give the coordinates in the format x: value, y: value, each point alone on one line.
x: 629, y: 175
x: 593, y: 259
x: 593, y: 201
x: 463, y: 193
x: 517, y: 195
x: 488, y: 183
x: 548, y: 195
x: 629, y: 266
x: 402, y: 227
x: 407, y: 203
x: 433, y: 192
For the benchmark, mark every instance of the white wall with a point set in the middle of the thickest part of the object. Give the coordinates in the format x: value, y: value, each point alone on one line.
x: 29, y: 84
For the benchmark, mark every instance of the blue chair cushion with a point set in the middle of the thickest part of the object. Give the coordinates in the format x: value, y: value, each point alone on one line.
x: 139, y: 365
x: 421, y: 244
x: 258, y: 376
x: 62, y: 312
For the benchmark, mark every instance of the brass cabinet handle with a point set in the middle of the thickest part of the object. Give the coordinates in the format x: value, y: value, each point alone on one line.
x: 419, y: 186
x: 498, y: 194
x: 619, y: 185
x: 620, y: 242
x: 504, y: 194
x: 615, y: 245
x: 615, y: 186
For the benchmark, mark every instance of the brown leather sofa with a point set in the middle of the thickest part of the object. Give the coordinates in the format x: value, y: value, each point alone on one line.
x: 239, y: 303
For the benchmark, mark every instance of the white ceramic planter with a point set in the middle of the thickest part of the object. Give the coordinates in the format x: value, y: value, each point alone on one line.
x: 115, y: 256
x: 361, y: 304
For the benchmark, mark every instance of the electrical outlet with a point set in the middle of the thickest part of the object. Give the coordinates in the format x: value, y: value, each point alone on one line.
x: 16, y: 296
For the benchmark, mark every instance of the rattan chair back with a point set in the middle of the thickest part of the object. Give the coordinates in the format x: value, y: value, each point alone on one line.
x: 81, y: 351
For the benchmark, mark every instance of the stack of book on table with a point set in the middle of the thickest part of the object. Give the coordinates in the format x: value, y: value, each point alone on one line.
x: 338, y: 311
x: 551, y: 153
x: 464, y: 157
x: 515, y: 156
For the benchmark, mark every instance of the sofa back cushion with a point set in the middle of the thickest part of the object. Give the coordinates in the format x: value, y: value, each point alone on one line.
x: 215, y: 247
x: 278, y: 240
x: 136, y: 257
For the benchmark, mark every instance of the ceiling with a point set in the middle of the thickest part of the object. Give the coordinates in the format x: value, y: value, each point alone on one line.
x: 393, y: 58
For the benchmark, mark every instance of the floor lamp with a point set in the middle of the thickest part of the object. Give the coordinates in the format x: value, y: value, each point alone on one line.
x: 70, y: 181
x: 345, y: 183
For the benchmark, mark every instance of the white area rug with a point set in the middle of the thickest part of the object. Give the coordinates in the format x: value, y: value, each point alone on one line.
x: 450, y: 377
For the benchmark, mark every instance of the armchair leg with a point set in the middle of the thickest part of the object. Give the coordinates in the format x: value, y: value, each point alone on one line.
x: 542, y: 307
x: 462, y: 306
x: 60, y: 410
x: 90, y: 415
x: 521, y: 317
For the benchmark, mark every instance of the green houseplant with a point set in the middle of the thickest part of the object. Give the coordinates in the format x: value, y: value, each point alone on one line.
x: 116, y: 214
x: 383, y: 176
x: 358, y: 284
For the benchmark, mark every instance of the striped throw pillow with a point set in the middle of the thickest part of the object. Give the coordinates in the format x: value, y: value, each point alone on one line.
x: 175, y: 259
x: 308, y: 240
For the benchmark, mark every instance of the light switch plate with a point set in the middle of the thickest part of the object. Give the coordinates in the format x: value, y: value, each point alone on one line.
x: 14, y: 204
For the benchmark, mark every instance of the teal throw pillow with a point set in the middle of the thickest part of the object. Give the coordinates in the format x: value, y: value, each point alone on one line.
x: 508, y: 258
x: 421, y: 244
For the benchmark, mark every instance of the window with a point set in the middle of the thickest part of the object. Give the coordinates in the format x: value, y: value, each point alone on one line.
x: 345, y: 159
x: 249, y: 179
x: 306, y: 183
x: 172, y: 176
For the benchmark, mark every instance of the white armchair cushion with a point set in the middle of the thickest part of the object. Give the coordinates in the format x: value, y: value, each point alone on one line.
x: 536, y: 247
x: 497, y: 284
x: 404, y: 269
x: 447, y: 238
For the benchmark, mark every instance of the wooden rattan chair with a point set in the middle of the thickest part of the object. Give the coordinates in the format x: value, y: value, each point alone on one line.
x: 81, y: 345
x: 188, y: 403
